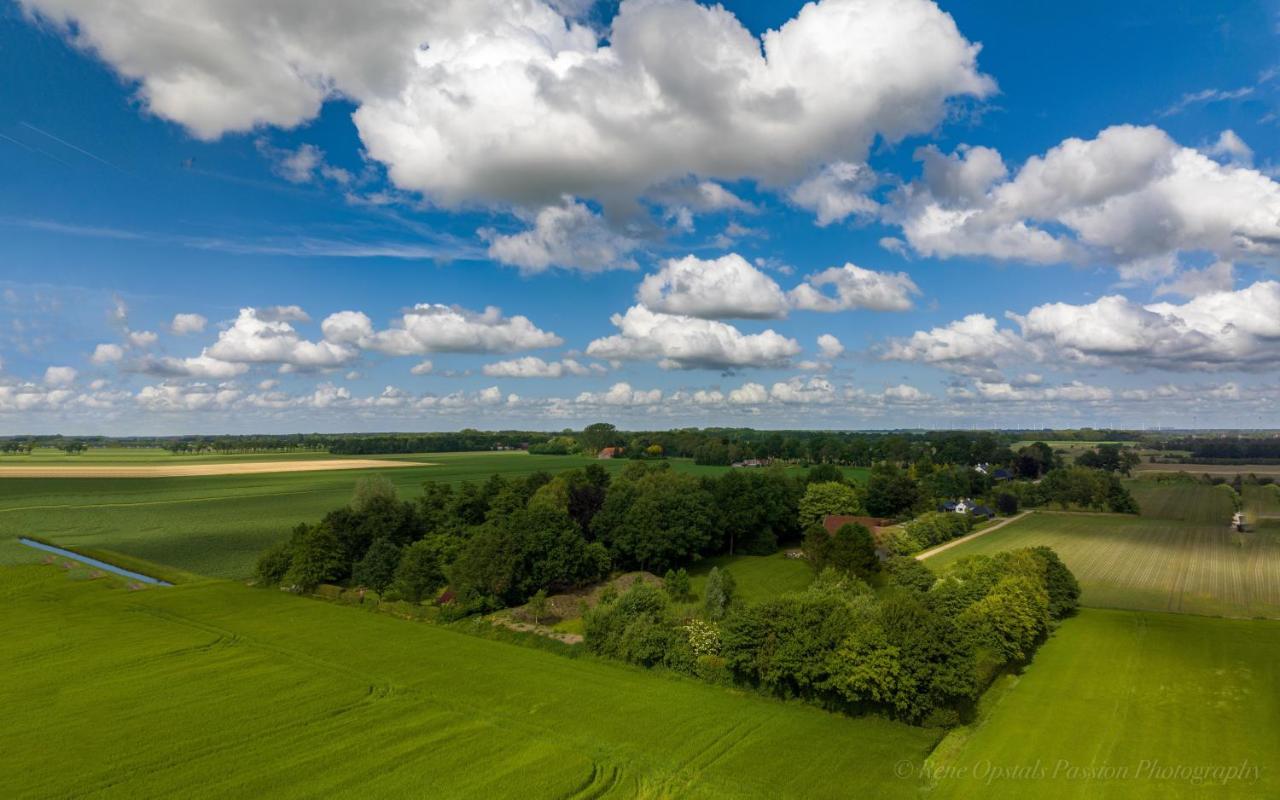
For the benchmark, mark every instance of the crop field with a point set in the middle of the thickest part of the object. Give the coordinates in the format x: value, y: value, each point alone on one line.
x: 217, y: 525
x: 1122, y: 704
x: 1150, y: 564
x: 1222, y: 470
x: 214, y: 689
x: 1191, y: 502
x: 1262, y: 505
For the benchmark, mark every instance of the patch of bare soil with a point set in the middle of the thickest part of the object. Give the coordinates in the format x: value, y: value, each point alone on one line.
x: 570, y: 605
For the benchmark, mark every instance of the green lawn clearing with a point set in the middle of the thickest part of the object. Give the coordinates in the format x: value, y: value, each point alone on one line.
x: 758, y: 578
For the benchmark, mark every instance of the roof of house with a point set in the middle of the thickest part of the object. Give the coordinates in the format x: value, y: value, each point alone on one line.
x: 834, y: 522
x: 610, y: 451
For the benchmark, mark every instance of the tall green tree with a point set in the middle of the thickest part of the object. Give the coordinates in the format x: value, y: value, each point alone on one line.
x: 890, y: 491
x: 821, y: 500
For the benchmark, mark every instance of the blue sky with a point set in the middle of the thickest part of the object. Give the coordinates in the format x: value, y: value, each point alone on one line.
x: 856, y: 214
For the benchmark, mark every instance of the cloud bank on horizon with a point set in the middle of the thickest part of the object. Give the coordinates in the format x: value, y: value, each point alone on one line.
x: 533, y: 213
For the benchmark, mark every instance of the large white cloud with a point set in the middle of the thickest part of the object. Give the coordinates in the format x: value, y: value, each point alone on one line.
x: 719, y: 288
x: 483, y: 100
x: 1131, y: 196
x: 1226, y: 329
x: 266, y: 338
x: 683, y: 342
x: 1213, y: 331
x: 435, y: 328
x: 973, y: 343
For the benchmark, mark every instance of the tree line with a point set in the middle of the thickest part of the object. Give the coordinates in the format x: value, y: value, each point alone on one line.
x: 921, y: 650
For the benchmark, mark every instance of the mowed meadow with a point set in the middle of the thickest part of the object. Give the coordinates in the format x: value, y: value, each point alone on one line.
x: 1179, y: 555
x: 161, y: 692
x: 218, y: 525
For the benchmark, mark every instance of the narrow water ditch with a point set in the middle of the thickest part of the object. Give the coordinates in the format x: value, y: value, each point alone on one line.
x: 93, y: 562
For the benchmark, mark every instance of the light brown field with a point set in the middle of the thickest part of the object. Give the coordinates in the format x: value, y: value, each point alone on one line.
x: 195, y: 470
x: 1228, y: 470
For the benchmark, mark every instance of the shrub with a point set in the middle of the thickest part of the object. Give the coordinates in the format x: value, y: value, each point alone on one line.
x: 377, y: 568
x: 719, y: 594
x: 910, y: 574
x: 677, y: 584
x: 274, y: 564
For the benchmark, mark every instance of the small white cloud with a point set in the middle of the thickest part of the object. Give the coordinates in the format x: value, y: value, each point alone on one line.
x: 107, y: 353
x: 184, y: 324
x: 422, y: 368
x: 1231, y: 147
x: 855, y: 287
x: 60, y: 376
x: 830, y: 346
x: 568, y: 236
x: 534, y: 367
x: 838, y: 191
x: 142, y: 339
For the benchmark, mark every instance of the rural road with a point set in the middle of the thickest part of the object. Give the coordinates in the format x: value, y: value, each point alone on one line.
x: 963, y: 539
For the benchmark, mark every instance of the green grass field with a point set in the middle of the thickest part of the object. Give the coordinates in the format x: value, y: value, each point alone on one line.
x: 1122, y: 704
x: 1192, y: 502
x: 217, y: 525
x: 217, y: 690
x: 1150, y: 564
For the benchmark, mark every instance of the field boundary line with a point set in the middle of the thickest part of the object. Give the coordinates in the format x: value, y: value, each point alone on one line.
x: 955, y: 542
x: 72, y: 506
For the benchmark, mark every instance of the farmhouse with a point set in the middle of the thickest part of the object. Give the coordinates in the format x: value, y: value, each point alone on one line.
x: 610, y: 452
x: 966, y: 506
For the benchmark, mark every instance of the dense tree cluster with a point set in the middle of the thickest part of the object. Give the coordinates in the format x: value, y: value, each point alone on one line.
x: 499, y: 542
x: 1110, y: 458
x: 921, y: 650
x: 1255, y: 449
x: 1075, y: 487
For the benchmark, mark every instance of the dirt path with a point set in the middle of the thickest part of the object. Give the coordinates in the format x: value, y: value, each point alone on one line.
x: 970, y: 537
x: 193, y: 470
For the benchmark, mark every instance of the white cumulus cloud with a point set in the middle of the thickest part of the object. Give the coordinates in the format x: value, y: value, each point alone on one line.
x: 724, y: 287
x: 683, y: 342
